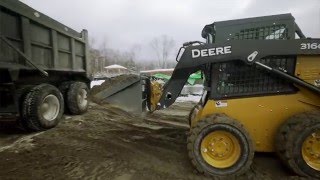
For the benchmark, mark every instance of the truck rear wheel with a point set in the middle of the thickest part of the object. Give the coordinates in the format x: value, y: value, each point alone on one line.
x: 220, y: 147
x: 298, y: 144
x: 42, y: 107
x: 77, y: 98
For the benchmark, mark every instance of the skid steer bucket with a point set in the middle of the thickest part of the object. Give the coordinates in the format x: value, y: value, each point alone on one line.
x: 123, y: 91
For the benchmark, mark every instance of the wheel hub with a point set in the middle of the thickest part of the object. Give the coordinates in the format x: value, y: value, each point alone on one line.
x: 82, y: 98
x: 311, y: 150
x: 220, y: 149
x: 50, y: 107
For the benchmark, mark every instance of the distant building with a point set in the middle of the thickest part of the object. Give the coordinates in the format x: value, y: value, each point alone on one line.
x: 156, y: 71
x: 111, y: 71
x: 115, y: 69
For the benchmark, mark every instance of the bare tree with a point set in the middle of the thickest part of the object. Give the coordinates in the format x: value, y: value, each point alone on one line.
x: 134, y: 51
x: 94, y: 56
x: 163, y: 47
x: 105, y: 55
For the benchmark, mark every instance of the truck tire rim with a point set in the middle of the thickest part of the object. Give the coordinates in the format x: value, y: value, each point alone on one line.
x: 50, y: 107
x: 220, y: 149
x: 311, y: 150
x: 82, y: 98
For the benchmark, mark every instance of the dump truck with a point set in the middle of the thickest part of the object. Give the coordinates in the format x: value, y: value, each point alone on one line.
x: 44, y: 67
x: 261, y: 94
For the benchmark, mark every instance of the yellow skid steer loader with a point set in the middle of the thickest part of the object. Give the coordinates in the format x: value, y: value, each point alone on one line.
x: 261, y: 94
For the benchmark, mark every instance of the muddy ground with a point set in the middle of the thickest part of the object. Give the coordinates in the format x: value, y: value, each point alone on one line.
x: 108, y: 143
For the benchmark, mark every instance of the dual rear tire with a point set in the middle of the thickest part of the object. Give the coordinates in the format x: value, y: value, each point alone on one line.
x: 75, y: 95
x: 76, y: 98
x: 42, y: 108
x: 43, y: 105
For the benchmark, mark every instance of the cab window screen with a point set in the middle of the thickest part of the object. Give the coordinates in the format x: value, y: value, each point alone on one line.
x: 236, y: 78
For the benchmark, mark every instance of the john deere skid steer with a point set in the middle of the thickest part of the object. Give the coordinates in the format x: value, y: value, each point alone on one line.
x: 261, y: 94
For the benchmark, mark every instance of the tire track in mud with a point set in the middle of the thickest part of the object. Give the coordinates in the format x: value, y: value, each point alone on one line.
x: 107, y: 143
x: 21, y: 143
x: 127, y: 138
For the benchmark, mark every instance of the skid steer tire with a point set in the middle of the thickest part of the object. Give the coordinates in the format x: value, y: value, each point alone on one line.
x: 223, y: 133
x: 42, y: 107
x: 77, y: 98
x: 192, y: 114
x: 298, y: 142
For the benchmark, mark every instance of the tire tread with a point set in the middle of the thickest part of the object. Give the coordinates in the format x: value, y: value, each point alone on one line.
x: 286, y: 139
x: 215, y: 119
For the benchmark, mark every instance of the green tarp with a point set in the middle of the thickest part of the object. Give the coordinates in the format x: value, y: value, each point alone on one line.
x: 192, y: 79
x: 161, y: 76
x: 196, y: 75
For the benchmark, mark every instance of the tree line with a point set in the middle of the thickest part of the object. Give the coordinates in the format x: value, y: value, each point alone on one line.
x: 103, y: 55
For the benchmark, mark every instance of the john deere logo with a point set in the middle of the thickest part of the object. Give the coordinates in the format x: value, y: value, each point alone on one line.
x: 211, y: 52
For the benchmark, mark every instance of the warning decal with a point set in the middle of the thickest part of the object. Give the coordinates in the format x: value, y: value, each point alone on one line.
x: 221, y: 104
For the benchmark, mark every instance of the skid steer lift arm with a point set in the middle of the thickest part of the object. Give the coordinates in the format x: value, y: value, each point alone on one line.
x: 249, y: 51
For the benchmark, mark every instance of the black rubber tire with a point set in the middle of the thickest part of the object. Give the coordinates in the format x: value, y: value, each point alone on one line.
x: 21, y: 94
x: 220, y: 122
x: 72, y: 100
x: 191, y: 113
x: 64, y: 88
x: 31, y: 112
x: 289, y: 140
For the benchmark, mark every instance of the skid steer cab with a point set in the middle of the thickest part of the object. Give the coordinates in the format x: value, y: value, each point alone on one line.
x: 261, y: 94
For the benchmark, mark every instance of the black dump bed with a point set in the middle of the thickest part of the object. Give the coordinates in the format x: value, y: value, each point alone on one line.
x: 48, y: 44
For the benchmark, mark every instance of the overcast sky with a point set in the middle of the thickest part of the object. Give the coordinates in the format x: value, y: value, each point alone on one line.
x: 126, y: 23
